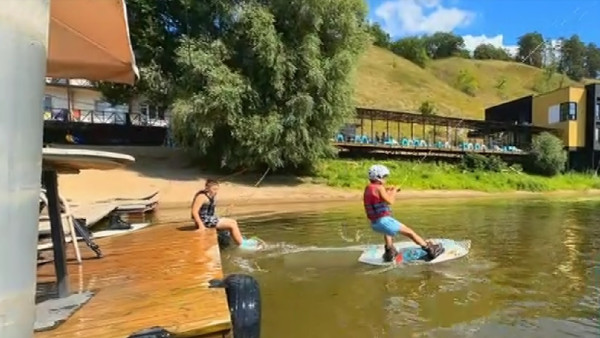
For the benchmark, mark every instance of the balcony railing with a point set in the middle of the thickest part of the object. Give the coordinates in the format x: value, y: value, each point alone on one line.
x: 103, y: 117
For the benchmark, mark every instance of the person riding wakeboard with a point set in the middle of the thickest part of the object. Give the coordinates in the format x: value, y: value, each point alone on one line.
x: 377, y: 200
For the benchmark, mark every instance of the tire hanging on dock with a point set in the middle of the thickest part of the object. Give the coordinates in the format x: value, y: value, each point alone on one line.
x: 243, y: 297
x: 223, y: 238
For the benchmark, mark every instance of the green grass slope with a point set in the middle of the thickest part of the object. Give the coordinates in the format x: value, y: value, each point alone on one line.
x: 387, y: 81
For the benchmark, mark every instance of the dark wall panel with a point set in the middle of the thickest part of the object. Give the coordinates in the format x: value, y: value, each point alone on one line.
x: 103, y: 134
x: 518, y: 110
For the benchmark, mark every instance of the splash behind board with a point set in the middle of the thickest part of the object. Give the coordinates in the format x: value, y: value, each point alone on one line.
x: 410, y: 253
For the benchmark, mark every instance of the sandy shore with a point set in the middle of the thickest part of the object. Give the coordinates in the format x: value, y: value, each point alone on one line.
x: 169, y: 172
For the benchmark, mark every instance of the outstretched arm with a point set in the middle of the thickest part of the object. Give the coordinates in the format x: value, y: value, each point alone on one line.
x: 196, y: 208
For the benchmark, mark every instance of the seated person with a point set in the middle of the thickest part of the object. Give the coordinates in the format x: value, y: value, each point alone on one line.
x: 204, y: 216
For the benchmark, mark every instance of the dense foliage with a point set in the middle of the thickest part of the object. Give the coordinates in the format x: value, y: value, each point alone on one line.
x: 547, y: 155
x: 250, y: 83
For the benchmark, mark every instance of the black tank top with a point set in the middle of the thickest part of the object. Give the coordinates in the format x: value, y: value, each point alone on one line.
x: 207, y: 209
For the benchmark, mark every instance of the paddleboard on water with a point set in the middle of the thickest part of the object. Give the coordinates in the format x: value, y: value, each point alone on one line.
x: 108, y: 233
x: 411, y: 253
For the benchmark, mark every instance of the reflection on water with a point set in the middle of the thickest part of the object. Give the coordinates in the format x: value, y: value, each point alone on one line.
x: 532, y: 272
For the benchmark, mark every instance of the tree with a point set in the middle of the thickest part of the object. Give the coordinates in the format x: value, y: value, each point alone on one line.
x: 572, y: 60
x: 443, y: 45
x: 412, y: 49
x: 531, y: 49
x: 155, y: 28
x: 273, y: 85
x: 592, y: 61
x: 547, y: 155
x: 488, y: 51
x: 380, y: 37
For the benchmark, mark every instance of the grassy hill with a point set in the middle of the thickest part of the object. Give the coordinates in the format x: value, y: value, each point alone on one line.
x: 387, y: 81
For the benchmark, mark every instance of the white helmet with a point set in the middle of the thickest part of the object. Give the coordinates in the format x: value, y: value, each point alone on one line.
x: 377, y: 172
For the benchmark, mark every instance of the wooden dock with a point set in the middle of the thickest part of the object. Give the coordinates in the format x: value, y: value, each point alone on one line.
x: 157, y: 277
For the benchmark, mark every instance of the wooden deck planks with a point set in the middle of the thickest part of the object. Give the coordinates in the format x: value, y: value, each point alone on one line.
x: 154, y: 277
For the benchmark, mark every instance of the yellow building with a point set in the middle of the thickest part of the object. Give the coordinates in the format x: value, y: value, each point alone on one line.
x: 572, y: 111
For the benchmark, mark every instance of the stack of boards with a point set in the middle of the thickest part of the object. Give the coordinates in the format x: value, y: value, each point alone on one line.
x: 411, y: 253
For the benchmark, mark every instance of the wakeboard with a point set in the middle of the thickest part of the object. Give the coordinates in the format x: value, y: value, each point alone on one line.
x: 411, y: 253
x: 109, y: 233
x: 253, y: 244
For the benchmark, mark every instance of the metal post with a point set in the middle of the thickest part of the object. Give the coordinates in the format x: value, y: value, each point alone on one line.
x: 372, y: 135
x: 24, y: 36
x: 387, y: 127
x: 57, y: 233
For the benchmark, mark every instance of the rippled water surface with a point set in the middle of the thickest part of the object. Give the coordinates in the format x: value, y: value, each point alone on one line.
x: 532, y: 272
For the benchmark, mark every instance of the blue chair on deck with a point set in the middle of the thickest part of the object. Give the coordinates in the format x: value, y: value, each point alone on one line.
x: 477, y: 147
x: 391, y: 142
x: 340, y: 138
x: 364, y: 139
x: 423, y: 144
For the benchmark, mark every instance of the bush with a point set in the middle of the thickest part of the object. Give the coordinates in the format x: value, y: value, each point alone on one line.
x: 478, y: 162
x: 466, y: 82
x: 427, y: 108
x: 547, y: 155
x: 495, y: 164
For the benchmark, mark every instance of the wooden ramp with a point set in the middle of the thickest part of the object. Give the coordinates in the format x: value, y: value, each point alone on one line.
x: 155, y: 277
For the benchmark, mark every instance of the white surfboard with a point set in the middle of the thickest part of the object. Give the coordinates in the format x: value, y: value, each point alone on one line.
x: 99, y: 234
x: 108, y: 233
x: 411, y: 253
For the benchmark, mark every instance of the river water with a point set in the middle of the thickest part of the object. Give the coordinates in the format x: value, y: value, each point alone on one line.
x: 533, y: 271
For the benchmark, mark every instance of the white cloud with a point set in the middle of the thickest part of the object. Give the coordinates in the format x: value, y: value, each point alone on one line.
x: 471, y: 42
x: 408, y: 17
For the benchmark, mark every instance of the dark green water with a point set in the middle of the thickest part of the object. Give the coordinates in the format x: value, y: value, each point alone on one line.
x: 533, y: 271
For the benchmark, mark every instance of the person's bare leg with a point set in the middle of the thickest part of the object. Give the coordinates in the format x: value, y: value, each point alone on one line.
x: 408, y: 232
x: 232, y: 226
x: 388, y: 241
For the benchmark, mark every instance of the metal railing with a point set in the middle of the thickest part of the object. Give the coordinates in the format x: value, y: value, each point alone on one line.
x: 103, y: 117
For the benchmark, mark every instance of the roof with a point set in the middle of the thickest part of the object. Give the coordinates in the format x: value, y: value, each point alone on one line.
x: 455, y: 122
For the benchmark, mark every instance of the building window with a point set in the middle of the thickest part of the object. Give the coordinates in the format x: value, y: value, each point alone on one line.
x: 597, y: 111
x: 568, y: 111
x: 144, y: 109
x: 101, y: 106
x: 596, y: 134
x: 47, y: 102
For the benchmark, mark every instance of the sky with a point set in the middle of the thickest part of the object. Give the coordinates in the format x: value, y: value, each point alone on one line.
x: 499, y: 22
